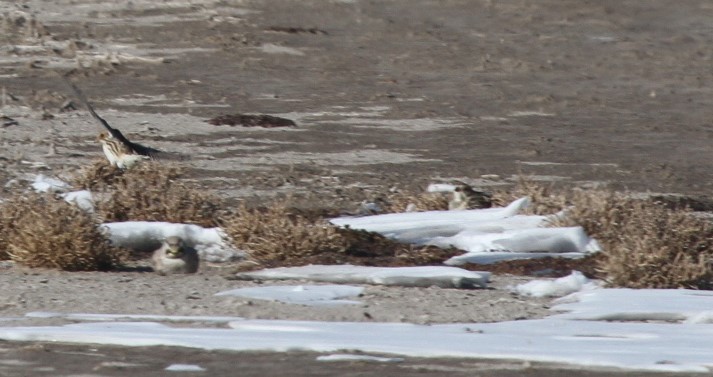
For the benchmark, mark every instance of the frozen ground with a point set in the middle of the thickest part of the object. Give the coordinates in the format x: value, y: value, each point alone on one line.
x: 387, y: 96
x: 661, y: 330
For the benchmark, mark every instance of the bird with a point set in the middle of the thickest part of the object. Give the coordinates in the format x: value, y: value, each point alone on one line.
x: 119, y: 151
x: 465, y: 197
x: 175, y: 257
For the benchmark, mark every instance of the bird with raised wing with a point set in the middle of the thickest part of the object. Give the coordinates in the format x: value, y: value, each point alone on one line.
x: 119, y: 151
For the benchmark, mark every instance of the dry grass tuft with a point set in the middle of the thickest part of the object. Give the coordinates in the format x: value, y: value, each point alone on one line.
x: 147, y: 192
x: 51, y: 233
x: 425, y: 201
x: 545, y: 200
x: 276, y: 235
x: 99, y: 174
x: 9, y: 213
x: 646, y: 245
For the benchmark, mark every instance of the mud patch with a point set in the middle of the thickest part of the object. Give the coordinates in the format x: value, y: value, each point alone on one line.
x: 245, y: 120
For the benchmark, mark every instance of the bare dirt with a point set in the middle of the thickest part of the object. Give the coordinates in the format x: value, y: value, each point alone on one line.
x: 386, y: 96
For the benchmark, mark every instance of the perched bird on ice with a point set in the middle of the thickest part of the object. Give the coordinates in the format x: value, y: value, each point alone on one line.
x: 175, y: 257
x: 120, y: 152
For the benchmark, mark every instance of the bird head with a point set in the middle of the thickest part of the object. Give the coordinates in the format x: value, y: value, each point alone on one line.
x: 103, y: 136
x: 174, y: 247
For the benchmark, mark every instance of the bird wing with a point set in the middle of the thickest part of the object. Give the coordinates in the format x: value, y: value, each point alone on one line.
x: 115, y: 133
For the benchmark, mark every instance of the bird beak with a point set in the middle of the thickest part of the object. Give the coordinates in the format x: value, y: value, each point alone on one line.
x: 174, y: 252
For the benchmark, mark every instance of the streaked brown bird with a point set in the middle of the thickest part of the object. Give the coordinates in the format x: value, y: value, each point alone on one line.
x: 120, y: 152
x: 175, y: 257
x: 465, y: 197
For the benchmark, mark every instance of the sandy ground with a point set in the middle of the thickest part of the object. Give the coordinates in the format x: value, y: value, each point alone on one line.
x: 386, y: 95
x: 138, y: 293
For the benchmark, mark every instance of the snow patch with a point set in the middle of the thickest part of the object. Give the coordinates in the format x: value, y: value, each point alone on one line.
x: 212, y: 244
x: 136, y: 317
x: 488, y: 235
x: 272, y: 48
x: 649, y: 346
x: 441, y: 276
x: 82, y: 199
x: 49, y: 184
x: 690, y: 306
x: 350, y: 357
x: 312, y: 295
x: 441, y: 187
x: 574, y: 282
x: 184, y: 368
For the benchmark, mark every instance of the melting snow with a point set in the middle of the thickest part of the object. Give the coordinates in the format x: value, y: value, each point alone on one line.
x: 441, y: 187
x: 488, y: 235
x: 212, y: 243
x: 184, y: 368
x: 82, y: 199
x: 558, y: 287
x: 137, y: 317
x: 690, y: 306
x: 349, y: 357
x: 45, y: 184
x: 300, y: 294
x: 649, y: 346
x: 442, y: 276
x: 584, y: 335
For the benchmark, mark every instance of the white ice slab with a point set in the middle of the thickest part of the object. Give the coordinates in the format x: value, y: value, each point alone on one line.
x: 647, y: 346
x: 313, y: 295
x: 82, y: 199
x: 350, y: 357
x: 441, y: 187
x: 585, y: 336
x: 45, y: 184
x: 568, y: 242
x: 212, y: 243
x: 638, y: 305
x: 574, y: 282
x: 468, y: 235
x: 480, y: 232
x: 184, y: 368
x: 445, y: 277
x: 391, y: 222
x: 491, y: 257
x: 136, y: 317
x: 554, y: 240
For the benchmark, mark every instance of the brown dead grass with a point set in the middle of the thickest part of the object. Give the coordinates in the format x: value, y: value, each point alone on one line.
x: 425, y: 201
x: 147, y: 192
x: 51, y: 233
x: 646, y: 244
x: 277, y: 235
x: 544, y: 200
x: 9, y: 213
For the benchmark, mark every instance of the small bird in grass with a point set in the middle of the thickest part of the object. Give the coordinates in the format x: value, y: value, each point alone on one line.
x: 120, y: 152
x: 465, y: 197
x: 175, y: 257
